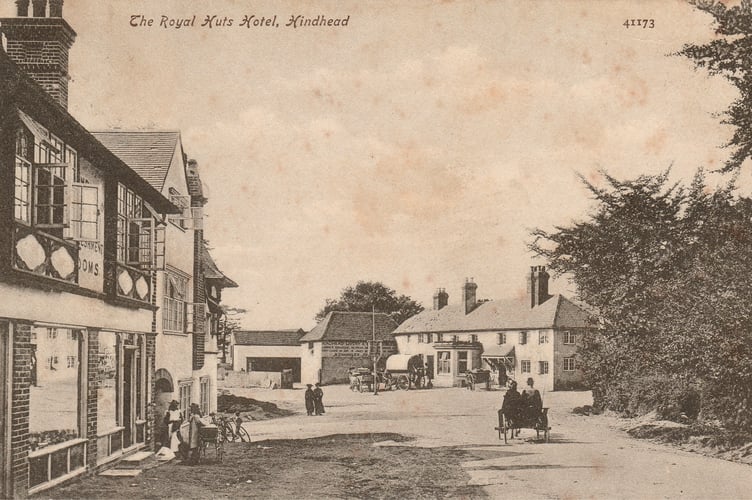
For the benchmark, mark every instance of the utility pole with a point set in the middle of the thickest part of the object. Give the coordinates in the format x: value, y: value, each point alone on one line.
x: 375, y: 356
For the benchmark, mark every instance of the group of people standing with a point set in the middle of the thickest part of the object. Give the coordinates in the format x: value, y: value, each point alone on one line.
x: 183, y: 436
x: 314, y: 400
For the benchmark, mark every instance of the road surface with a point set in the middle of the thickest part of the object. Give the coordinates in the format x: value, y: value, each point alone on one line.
x: 588, y: 457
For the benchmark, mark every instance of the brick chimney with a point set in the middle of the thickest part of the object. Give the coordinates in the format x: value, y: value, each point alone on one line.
x: 537, y: 285
x: 40, y: 44
x: 440, y: 299
x: 468, y: 295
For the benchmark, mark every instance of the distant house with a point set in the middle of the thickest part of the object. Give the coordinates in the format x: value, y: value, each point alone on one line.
x: 267, y: 351
x: 341, y: 341
x: 533, y: 337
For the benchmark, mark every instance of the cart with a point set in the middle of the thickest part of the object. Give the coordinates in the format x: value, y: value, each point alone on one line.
x: 209, y: 436
x: 403, y: 371
x: 478, y: 377
x: 361, y: 380
x: 511, y: 424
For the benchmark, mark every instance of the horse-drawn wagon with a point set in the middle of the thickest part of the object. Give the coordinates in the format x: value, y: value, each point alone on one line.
x: 403, y: 371
x: 361, y: 379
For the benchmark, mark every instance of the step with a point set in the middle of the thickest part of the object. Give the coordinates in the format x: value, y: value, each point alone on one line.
x: 120, y: 473
x: 137, y: 460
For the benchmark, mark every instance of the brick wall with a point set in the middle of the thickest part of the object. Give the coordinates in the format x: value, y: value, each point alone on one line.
x: 40, y: 47
x: 199, y: 294
x: 339, y: 356
x: 20, y: 408
x: 91, y: 397
x: 151, y: 349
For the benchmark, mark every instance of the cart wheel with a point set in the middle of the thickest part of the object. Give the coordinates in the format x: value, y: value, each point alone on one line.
x: 403, y: 383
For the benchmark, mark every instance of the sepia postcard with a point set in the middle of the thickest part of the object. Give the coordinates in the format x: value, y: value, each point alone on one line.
x: 375, y: 249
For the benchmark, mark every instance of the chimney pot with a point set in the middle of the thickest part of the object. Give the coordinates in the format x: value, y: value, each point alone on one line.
x: 440, y: 299
x: 56, y: 8
x: 39, y: 8
x: 22, y: 8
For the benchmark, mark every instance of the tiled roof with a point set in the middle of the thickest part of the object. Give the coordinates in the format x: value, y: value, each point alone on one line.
x: 149, y: 153
x: 340, y: 325
x: 269, y: 337
x: 212, y: 272
x: 557, y: 311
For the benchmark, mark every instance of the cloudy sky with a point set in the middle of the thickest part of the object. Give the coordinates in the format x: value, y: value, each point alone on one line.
x: 416, y: 146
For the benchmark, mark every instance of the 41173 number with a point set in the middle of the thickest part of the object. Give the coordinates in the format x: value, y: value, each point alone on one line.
x: 639, y: 23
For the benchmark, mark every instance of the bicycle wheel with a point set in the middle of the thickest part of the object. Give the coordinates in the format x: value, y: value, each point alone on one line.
x: 229, y: 432
x: 244, y: 436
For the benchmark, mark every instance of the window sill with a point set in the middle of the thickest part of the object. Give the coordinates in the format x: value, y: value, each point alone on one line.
x: 55, y: 447
x: 111, y: 431
x: 56, y: 481
x: 175, y: 333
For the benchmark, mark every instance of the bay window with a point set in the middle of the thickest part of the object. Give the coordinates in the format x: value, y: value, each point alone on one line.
x: 47, y: 191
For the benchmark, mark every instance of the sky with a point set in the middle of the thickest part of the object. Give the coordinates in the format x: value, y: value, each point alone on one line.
x: 417, y: 146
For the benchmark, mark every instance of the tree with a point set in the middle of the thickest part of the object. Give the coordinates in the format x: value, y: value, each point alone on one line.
x: 366, y: 296
x: 730, y: 55
x: 229, y: 323
x: 666, y: 269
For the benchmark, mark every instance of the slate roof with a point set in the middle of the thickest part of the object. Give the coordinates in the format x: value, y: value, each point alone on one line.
x: 212, y: 272
x: 512, y: 314
x: 148, y: 152
x: 269, y: 337
x: 357, y: 326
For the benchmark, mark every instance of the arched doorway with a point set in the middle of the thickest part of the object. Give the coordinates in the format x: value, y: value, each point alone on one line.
x: 164, y: 389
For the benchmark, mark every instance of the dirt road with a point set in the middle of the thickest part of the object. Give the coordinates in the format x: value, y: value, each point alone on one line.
x: 588, y: 457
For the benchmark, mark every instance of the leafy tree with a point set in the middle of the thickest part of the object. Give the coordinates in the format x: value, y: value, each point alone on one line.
x: 366, y: 295
x: 666, y: 269
x: 730, y: 55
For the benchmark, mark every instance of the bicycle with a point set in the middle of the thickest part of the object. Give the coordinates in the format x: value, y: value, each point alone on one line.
x: 230, y: 429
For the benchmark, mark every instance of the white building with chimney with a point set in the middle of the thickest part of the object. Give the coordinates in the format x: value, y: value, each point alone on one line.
x: 533, y: 337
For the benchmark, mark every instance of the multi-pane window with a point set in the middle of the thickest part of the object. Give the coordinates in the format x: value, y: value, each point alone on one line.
x: 135, y: 230
x: 70, y: 361
x: 185, y: 398
x: 444, y: 364
x: 173, y: 311
x: 429, y: 337
x: 204, y: 395
x: 569, y: 364
x: 501, y: 338
x: 22, y: 189
x: 439, y: 337
x: 525, y: 366
x: 473, y: 338
x: 190, y: 217
x: 542, y: 367
x: 46, y: 192
x: 462, y: 362
x: 543, y: 337
x: 523, y: 338
x: 569, y: 337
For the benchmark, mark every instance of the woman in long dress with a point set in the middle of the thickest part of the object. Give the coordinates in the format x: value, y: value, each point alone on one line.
x: 173, y: 420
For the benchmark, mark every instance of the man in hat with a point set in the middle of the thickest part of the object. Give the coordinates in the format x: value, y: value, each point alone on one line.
x: 318, y: 399
x: 309, y: 399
